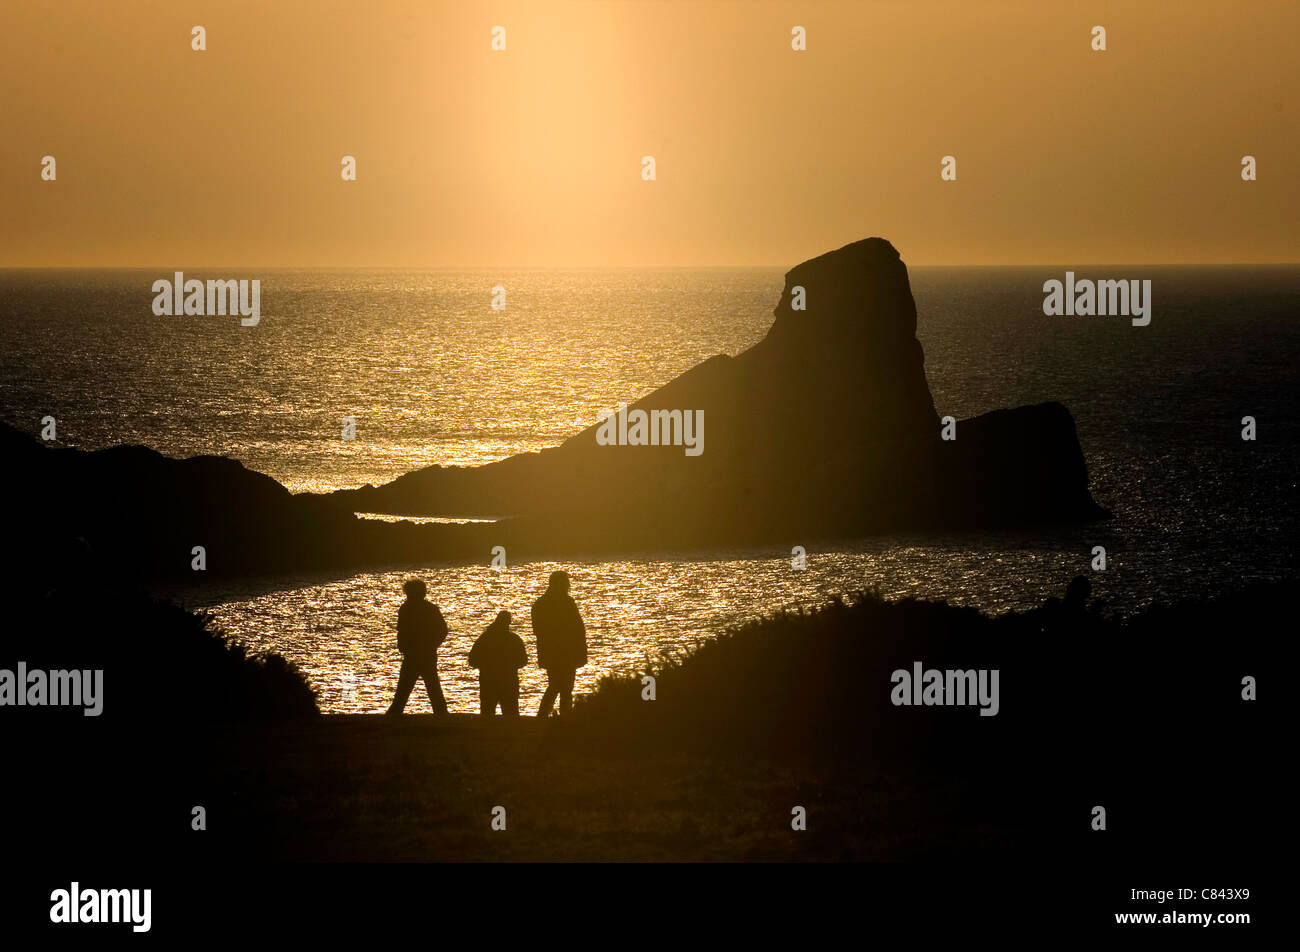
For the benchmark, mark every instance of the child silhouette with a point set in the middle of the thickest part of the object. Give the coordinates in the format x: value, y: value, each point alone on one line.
x: 498, y: 654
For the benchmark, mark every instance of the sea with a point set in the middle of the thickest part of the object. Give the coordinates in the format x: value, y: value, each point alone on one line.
x: 430, y: 372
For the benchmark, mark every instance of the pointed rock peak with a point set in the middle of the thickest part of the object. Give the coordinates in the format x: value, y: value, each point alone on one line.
x: 858, y: 290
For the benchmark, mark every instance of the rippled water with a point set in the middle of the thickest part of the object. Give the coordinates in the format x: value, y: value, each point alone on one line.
x: 431, y: 373
x: 434, y: 375
x: 342, y: 632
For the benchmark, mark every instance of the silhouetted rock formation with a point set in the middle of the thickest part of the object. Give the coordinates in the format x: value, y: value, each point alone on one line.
x: 824, y: 428
x: 826, y: 425
x: 138, y: 513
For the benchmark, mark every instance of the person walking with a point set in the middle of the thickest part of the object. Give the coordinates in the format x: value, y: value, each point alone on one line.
x: 498, y: 654
x: 420, y: 631
x: 561, y: 642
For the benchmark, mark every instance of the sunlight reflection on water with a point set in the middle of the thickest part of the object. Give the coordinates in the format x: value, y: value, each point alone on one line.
x: 342, y: 634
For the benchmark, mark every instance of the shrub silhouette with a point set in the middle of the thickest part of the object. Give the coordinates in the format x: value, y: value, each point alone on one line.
x: 160, y: 661
x: 819, y: 682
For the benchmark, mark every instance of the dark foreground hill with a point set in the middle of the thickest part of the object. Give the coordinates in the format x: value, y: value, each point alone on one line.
x: 1144, y: 717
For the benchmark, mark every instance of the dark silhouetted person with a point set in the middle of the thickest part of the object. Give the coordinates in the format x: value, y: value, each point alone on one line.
x: 1072, y: 614
x: 498, y: 654
x: 1076, y: 595
x: 561, y: 642
x: 420, y: 630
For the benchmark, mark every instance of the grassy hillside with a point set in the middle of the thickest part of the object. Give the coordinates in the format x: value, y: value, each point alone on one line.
x: 795, y: 711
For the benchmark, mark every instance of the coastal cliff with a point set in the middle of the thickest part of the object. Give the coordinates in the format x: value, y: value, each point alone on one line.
x: 825, y: 428
x: 825, y: 425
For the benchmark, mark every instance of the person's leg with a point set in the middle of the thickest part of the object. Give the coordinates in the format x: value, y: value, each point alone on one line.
x: 486, y: 703
x: 437, y: 701
x: 566, y: 691
x: 405, y: 681
x: 548, y: 697
x: 510, y: 699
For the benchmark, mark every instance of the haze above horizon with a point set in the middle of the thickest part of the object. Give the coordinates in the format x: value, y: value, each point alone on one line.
x: 468, y: 157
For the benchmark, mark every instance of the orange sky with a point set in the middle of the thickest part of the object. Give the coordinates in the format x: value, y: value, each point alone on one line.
x: 168, y: 157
